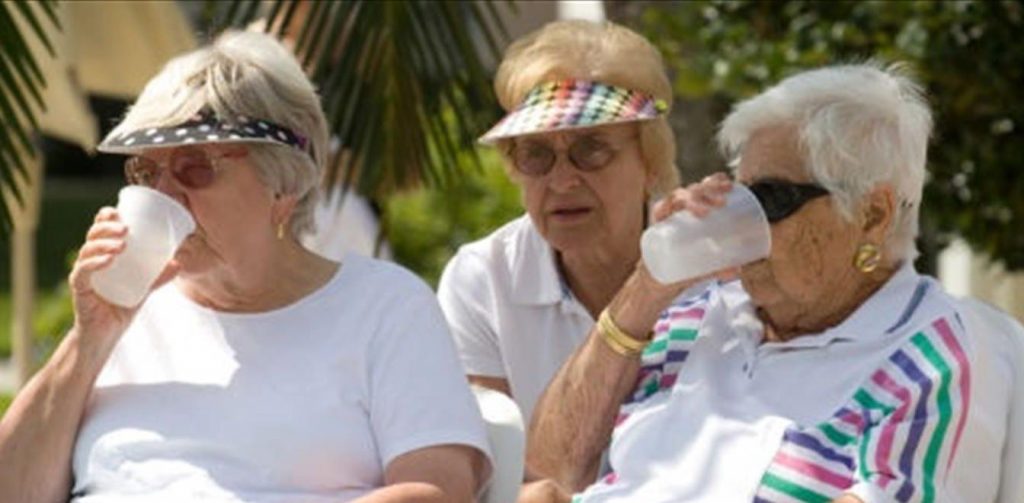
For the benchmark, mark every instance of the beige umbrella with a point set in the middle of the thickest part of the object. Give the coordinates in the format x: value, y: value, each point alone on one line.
x: 109, y: 48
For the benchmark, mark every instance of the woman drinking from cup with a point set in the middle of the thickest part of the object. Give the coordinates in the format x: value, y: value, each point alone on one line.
x: 830, y: 372
x: 253, y: 370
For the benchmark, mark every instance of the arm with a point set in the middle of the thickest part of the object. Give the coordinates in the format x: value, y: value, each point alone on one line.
x: 574, y: 417
x: 37, y: 433
x: 573, y: 420
x: 442, y: 474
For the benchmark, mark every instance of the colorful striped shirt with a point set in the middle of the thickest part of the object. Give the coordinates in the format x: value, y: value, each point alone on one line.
x: 877, y: 406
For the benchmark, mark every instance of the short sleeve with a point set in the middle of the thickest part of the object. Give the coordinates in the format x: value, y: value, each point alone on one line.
x: 913, y: 410
x: 675, y: 333
x: 464, y: 294
x: 418, y: 394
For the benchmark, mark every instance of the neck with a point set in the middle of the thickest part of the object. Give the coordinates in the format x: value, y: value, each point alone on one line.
x: 284, y: 274
x: 595, y: 276
x: 819, y: 318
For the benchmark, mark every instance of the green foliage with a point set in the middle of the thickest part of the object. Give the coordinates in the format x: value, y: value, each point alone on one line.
x: 967, y: 54
x: 426, y: 226
x: 386, y: 71
x: 51, y: 319
x: 21, y: 82
x: 5, y: 401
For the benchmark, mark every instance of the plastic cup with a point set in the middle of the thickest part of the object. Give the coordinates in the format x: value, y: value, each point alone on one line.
x: 684, y: 246
x: 157, y: 225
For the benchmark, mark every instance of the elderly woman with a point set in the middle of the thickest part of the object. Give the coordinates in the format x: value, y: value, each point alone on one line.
x: 831, y: 371
x: 588, y: 143
x: 258, y: 371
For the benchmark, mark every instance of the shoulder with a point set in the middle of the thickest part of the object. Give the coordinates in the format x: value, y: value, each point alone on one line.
x: 494, y: 254
x: 365, y: 276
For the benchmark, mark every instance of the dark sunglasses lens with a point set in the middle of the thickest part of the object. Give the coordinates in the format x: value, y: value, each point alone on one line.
x: 532, y: 159
x: 193, y: 171
x: 140, y: 171
x: 589, y: 154
x: 780, y: 200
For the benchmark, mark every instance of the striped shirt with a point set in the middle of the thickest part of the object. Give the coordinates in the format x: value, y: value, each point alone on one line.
x: 877, y: 406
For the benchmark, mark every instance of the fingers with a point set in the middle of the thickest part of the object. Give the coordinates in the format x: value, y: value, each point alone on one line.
x: 697, y: 198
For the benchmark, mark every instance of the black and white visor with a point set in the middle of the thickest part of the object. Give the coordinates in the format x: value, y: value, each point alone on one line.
x: 204, y: 127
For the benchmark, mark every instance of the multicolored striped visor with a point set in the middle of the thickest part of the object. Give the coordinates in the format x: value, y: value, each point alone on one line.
x: 568, y: 104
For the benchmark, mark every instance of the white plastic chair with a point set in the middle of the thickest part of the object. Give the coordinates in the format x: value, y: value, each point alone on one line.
x: 508, y: 444
x: 1007, y: 337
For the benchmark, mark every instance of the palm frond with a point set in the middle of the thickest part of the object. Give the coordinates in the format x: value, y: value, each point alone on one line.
x: 21, y: 83
x: 403, y: 83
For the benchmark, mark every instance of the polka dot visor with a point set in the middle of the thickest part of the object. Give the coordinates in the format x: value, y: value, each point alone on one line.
x: 204, y: 127
x: 568, y: 104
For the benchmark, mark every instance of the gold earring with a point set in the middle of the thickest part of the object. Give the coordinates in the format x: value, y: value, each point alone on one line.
x: 280, y: 230
x: 867, y: 258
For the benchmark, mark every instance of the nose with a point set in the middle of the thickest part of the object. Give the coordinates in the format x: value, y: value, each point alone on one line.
x: 563, y: 176
x: 166, y: 184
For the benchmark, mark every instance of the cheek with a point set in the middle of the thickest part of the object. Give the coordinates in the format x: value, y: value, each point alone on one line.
x: 805, y: 260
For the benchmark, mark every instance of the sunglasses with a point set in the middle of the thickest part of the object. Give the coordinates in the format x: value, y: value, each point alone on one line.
x: 192, y: 168
x: 781, y: 199
x: 535, y: 159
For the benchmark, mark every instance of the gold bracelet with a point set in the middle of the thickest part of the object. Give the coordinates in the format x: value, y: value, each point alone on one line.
x: 616, y: 339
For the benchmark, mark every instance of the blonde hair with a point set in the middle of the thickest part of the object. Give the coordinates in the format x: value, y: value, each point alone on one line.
x: 249, y: 74
x: 602, y: 52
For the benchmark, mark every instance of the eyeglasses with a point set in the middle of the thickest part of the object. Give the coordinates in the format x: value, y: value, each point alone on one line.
x: 535, y: 158
x: 782, y: 199
x: 192, y: 168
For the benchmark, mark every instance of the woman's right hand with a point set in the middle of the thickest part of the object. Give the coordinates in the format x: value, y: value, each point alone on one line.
x: 95, y: 317
x: 697, y: 198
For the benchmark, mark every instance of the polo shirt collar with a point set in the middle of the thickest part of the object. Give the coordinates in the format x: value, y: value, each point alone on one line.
x: 534, y: 272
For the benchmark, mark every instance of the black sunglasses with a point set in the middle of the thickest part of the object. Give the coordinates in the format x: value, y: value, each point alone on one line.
x: 781, y: 199
x: 534, y: 158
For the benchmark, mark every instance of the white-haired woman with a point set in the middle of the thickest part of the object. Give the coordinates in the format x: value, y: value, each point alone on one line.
x: 258, y: 371
x: 831, y: 371
x: 587, y: 141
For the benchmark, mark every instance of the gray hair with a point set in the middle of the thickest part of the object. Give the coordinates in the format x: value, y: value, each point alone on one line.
x: 250, y: 74
x: 858, y: 125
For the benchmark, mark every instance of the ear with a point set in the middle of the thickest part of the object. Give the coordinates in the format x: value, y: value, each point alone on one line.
x: 878, y: 212
x: 282, y: 208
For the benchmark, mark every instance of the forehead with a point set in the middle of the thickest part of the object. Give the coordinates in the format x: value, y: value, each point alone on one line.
x: 772, y: 152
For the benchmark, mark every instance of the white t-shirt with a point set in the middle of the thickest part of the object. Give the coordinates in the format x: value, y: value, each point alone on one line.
x: 900, y: 402
x: 509, y: 311
x: 307, y: 403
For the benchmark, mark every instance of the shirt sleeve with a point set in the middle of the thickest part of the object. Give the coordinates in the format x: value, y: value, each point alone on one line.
x: 913, y: 410
x: 418, y: 394
x: 675, y: 333
x: 464, y: 293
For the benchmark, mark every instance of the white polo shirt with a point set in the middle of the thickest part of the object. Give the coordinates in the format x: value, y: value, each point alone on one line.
x: 510, y: 312
x: 897, y: 403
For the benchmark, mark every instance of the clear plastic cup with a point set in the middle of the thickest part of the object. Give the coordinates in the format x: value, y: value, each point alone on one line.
x: 157, y: 224
x: 684, y: 246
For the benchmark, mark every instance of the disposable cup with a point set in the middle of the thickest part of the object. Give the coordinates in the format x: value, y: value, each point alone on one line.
x: 157, y: 224
x: 684, y: 246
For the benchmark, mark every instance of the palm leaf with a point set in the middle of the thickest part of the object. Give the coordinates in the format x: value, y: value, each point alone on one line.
x: 21, y: 83
x: 403, y: 83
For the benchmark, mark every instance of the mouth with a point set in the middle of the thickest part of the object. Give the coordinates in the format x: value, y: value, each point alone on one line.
x: 569, y: 213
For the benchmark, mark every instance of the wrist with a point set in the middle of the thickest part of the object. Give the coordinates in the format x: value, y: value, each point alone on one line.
x: 635, y: 308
